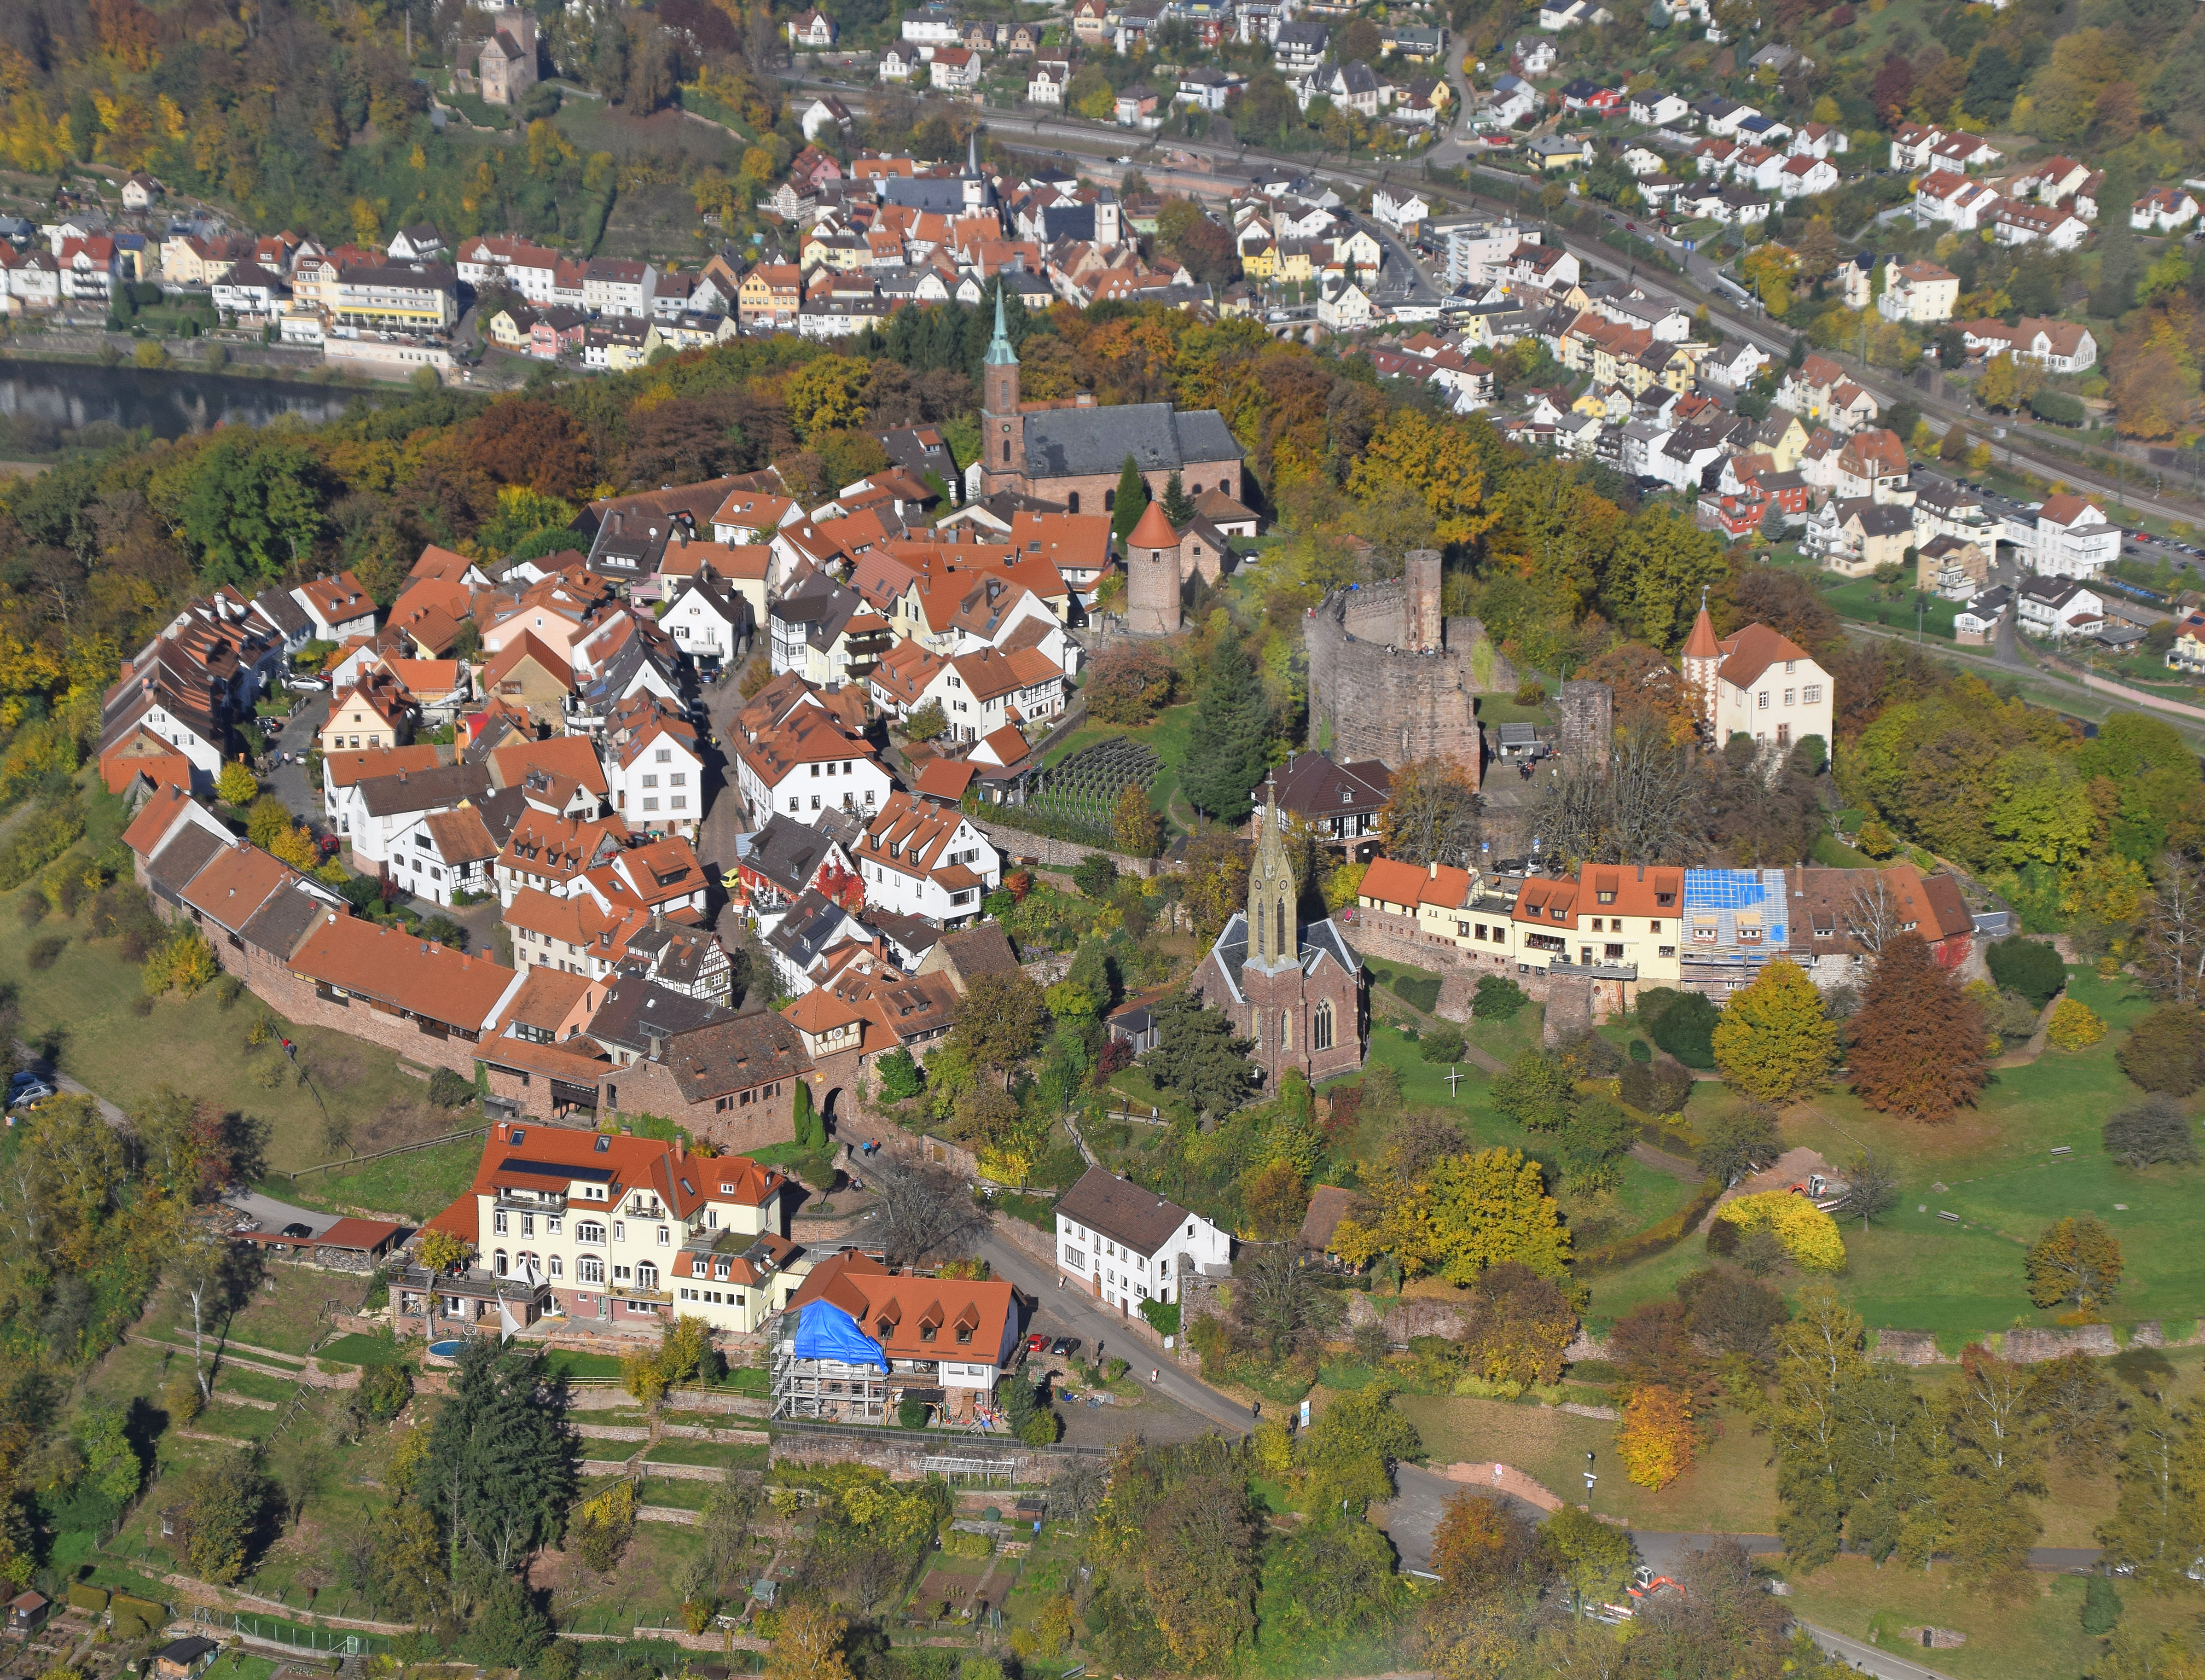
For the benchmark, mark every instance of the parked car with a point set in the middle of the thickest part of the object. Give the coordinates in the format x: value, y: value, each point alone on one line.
x: 305, y: 685
x: 295, y: 1229
x: 26, y: 1088
x: 1065, y: 1346
x: 1037, y: 1344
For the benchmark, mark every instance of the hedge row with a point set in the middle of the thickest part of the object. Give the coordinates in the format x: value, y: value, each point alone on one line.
x: 1655, y: 1238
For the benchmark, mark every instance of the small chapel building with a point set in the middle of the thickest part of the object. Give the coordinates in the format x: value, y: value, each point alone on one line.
x: 1296, y: 992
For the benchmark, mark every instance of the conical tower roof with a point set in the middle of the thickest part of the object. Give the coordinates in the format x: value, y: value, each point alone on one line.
x: 1154, y: 530
x: 1701, y: 643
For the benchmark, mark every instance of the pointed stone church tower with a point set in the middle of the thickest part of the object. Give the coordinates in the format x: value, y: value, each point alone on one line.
x: 1275, y: 926
x: 1295, y: 992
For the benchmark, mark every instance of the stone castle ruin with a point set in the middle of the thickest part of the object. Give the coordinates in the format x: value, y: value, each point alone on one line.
x: 1391, y: 678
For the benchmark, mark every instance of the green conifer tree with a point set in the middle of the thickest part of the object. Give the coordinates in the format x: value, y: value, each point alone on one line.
x: 1132, y: 500
x: 1226, y: 746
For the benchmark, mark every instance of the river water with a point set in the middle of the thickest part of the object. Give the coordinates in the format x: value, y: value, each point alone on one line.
x: 71, y: 395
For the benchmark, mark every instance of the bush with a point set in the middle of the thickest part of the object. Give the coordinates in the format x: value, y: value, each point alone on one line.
x: 2154, y: 1131
x: 1681, y: 1022
x: 2059, y: 407
x: 1095, y: 876
x: 2075, y: 1024
x: 448, y: 1089
x: 45, y: 953
x: 901, y: 1077
x: 2166, y: 1050
x: 1641, y: 1051
x: 385, y: 1389
x: 1420, y: 992
x: 2102, y: 1605
x: 2027, y: 966
x: 961, y: 1543
x: 1442, y: 1044
x: 1497, y: 999
x: 1809, y: 1235
x: 1659, y: 1088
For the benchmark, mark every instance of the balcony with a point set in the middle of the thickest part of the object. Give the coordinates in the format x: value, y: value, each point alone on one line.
x: 1561, y: 967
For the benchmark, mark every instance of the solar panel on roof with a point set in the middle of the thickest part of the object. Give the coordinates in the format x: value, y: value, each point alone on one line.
x: 550, y: 1169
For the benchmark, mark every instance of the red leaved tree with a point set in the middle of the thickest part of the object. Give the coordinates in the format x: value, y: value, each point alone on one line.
x: 1917, y: 1042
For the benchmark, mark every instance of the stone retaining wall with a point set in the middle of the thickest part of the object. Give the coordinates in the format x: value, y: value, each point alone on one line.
x: 903, y: 1455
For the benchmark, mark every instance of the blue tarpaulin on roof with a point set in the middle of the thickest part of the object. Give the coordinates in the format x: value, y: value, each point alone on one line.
x: 826, y: 1331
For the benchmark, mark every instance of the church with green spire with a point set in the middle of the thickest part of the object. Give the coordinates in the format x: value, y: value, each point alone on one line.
x: 1071, y: 452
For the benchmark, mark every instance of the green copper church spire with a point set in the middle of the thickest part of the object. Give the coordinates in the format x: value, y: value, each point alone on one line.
x: 999, y: 352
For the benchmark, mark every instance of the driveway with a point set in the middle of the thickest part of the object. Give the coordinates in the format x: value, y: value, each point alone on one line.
x: 274, y: 1215
x: 1105, y: 1334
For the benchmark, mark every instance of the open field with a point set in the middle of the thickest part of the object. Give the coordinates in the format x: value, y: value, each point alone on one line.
x: 2035, y: 1634
x: 83, y: 1004
x: 1732, y: 1486
x: 1962, y: 1279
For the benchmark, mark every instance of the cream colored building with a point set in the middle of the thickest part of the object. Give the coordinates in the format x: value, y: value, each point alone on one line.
x: 1759, y: 683
x: 622, y: 1228
x: 1922, y: 293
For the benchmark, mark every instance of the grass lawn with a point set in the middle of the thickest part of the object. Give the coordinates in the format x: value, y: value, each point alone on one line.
x: 253, y: 1385
x: 1504, y: 709
x: 287, y: 1318
x: 1732, y: 1486
x: 1962, y: 1279
x: 1644, y: 1196
x: 566, y: 1362
x: 640, y: 1589
x: 1862, y: 600
x: 1509, y: 1039
x: 681, y: 1492
x: 196, y: 1044
x: 2034, y: 1636
x: 360, y: 1349
x: 419, y: 1185
x: 729, y: 1456
x: 1832, y: 853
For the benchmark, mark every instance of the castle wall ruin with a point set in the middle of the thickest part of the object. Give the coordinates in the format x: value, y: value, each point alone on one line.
x: 1391, y: 679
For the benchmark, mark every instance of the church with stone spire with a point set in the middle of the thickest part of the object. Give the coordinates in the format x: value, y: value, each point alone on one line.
x: 1296, y: 991
x: 1072, y: 452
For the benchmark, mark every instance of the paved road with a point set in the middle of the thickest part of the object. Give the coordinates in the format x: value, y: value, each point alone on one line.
x: 1105, y: 1330
x: 290, y: 783
x: 28, y: 1057
x: 1870, y: 1659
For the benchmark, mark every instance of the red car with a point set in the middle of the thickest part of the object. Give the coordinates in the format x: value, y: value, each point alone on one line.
x: 1037, y: 1344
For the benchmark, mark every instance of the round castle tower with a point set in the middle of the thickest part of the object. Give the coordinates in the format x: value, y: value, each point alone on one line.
x: 1153, y: 577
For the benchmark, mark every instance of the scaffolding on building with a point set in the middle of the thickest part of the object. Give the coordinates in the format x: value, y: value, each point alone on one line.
x: 825, y: 1389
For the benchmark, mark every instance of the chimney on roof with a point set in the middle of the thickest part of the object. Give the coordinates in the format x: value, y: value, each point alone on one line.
x: 627, y: 1131
x: 1435, y: 869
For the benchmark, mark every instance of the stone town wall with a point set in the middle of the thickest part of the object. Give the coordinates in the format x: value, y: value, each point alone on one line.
x: 1397, y: 938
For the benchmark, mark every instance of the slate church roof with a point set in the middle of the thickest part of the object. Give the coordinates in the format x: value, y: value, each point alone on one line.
x: 1089, y: 443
